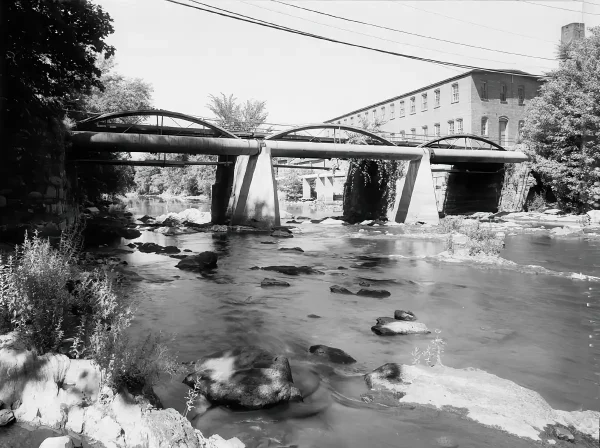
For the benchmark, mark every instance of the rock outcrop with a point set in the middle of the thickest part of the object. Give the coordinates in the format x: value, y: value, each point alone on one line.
x: 488, y: 399
x: 244, y: 378
x: 66, y: 394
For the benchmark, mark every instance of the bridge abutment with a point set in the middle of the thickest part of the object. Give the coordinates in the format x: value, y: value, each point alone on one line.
x: 417, y: 201
x: 253, y: 198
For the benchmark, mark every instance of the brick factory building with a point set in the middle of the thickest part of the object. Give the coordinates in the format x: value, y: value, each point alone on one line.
x: 476, y: 102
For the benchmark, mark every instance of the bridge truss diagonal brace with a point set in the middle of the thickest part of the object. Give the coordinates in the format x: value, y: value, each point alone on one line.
x: 254, y: 198
x: 415, y: 197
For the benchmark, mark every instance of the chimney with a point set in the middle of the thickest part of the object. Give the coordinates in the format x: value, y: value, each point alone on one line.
x: 571, y: 33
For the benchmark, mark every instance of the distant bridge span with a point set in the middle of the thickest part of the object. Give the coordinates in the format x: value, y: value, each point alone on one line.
x: 254, y: 191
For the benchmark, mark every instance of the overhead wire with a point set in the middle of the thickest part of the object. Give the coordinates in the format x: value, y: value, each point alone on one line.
x: 370, y: 35
x: 248, y: 19
x: 558, y: 7
x: 412, y: 34
x: 485, y: 25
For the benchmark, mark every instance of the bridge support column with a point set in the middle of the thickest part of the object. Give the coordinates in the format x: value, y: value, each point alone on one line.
x: 417, y: 198
x: 254, y: 195
x: 221, y: 190
x: 305, y: 189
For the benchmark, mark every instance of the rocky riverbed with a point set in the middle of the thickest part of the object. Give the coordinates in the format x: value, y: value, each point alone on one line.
x: 267, y: 357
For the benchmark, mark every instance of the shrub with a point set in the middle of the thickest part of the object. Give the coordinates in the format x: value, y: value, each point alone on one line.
x: 432, y: 355
x: 451, y: 224
x: 538, y: 203
x: 48, y: 301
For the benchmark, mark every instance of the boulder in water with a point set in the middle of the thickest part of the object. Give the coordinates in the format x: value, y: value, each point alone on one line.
x: 149, y: 248
x: 146, y: 218
x: 385, y: 320
x: 404, y: 315
x: 377, y: 293
x: 291, y: 270
x: 291, y: 249
x: 128, y: 234
x: 386, y: 377
x: 244, y: 378
x: 335, y: 355
x: 170, y: 250
x: 273, y: 282
x: 314, y: 316
x: 336, y: 289
x: 202, y: 261
x: 6, y: 417
x: 400, y: 327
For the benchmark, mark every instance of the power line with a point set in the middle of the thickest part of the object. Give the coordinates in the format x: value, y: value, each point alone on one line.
x: 369, y: 35
x: 558, y: 7
x: 411, y: 34
x: 265, y: 24
x: 486, y: 25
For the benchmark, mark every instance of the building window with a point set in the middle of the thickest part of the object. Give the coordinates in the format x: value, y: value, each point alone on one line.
x: 484, y: 126
x: 392, y: 111
x: 520, y: 134
x: 521, y: 95
x: 402, y: 135
x: 424, y: 102
x: 450, y: 127
x: 345, y: 121
x: 455, y: 97
x: 459, y: 126
x: 503, y: 131
x: 437, y: 97
x: 412, y: 105
x: 425, y: 133
x: 402, y: 111
x: 436, y: 129
x: 383, y: 113
x: 413, y: 132
x: 366, y: 119
x: 503, y: 93
x: 339, y: 122
x: 374, y: 114
x: 352, y: 121
x: 484, y: 91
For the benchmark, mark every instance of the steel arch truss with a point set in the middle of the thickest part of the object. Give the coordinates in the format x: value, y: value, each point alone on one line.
x: 102, y: 123
x: 287, y: 134
x: 447, y: 142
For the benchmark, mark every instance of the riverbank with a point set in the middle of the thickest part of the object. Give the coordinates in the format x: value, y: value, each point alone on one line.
x: 321, y: 242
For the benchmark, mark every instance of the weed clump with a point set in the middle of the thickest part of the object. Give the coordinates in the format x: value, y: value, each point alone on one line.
x: 479, y: 240
x: 53, y: 305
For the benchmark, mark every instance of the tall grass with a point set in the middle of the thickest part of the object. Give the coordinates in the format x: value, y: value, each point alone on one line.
x: 48, y: 300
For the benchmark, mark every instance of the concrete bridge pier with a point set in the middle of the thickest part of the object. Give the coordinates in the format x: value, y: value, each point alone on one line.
x: 415, y: 196
x: 253, y: 198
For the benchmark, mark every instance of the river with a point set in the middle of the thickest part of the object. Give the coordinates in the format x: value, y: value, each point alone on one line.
x: 531, y: 329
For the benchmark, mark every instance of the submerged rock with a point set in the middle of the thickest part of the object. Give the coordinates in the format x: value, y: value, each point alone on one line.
x: 404, y: 315
x: 149, y: 247
x: 202, y: 261
x: 291, y: 270
x: 282, y: 234
x: 400, y: 327
x: 268, y: 242
x: 291, y: 249
x: 336, y: 289
x: 335, y: 355
x: 244, y: 377
x: 314, y: 316
x: 385, y: 377
x: 563, y: 434
x: 377, y: 293
x: 273, y: 282
x: 170, y: 250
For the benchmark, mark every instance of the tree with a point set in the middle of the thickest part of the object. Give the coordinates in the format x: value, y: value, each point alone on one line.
x: 370, y: 188
x: 562, y: 127
x: 116, y: 93
x: 49, y: 52
x: 233, y: 116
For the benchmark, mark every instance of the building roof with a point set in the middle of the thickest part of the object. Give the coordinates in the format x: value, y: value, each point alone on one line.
x: 439, y: 83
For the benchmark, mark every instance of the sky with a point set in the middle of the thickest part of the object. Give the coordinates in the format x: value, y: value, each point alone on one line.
x: 187, y: 54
